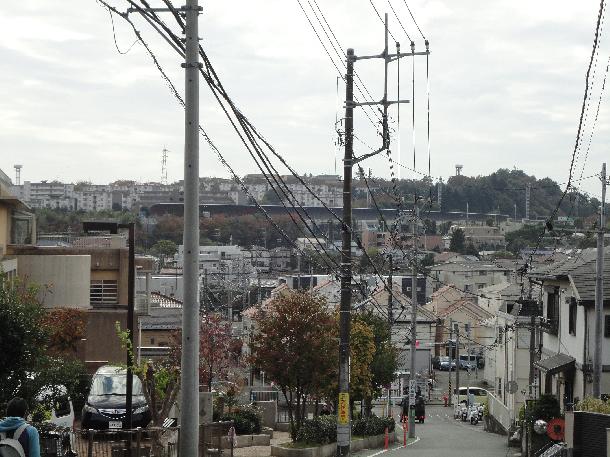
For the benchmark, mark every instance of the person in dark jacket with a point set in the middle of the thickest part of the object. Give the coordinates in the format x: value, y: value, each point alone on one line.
x: 16, y: 411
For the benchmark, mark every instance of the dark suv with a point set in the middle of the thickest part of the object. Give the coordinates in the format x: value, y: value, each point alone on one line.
x: 106, y: 404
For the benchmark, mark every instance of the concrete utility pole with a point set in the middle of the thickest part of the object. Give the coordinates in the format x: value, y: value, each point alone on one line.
x: 533, y: 310
x: 343, y: 416
x: 413, y: 349
x: 189, y: 411
x: 528, y: 193
x: 599, y: 291
x: 450, y: 393
x: 457, y: 361
x: 343, y: 419
x: 390, y: 323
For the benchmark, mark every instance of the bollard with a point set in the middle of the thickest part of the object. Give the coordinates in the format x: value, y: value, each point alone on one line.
x: 387, y: 439
x: 138, y: 440
x: 90, y: 443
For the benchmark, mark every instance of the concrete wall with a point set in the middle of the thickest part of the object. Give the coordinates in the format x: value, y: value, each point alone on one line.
x: 102, y: 345
x: 5, y: 228
x: 64, y: 279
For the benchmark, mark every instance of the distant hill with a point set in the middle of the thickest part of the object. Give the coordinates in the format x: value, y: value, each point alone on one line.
x: 499, y: 191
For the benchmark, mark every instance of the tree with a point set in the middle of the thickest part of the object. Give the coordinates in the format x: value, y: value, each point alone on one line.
x: 295, y: 347
x: 32, y: 355
x: 458, y: 241
x: 385, y: 358
x: 164, y: 249
x: 160, y: 385
x: 66, y: 327
x: 362, y: 352
x: 217, y: 350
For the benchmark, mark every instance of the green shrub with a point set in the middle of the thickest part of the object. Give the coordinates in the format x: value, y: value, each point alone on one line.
x: 246, y: 420
x: 319, y: 430
x: 593, y: 405
x: 372, y: 425
x: 546, y: 408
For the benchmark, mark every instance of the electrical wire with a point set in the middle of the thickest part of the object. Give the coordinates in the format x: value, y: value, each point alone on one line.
x: 414, y: 21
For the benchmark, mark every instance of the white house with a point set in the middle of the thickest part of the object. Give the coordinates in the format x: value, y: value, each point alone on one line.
x: 568, y: 338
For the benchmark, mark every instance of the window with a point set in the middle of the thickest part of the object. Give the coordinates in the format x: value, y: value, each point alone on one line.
x: 103, y: 292
x: 500, y: 335
x: 552, y: 309
x: 572, y: 317
x: 482, y: 273
x: 607, y: 326
x: 152, y: 340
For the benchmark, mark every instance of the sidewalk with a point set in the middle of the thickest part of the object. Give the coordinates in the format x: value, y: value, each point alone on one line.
x: 262, y: 451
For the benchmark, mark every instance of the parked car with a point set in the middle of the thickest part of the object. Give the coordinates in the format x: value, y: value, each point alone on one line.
x: 106, y: 406
x: 446, y: 365
x: 477, y: 395
x: 59, y: 409
x: 468, y: 362
x: 436, y: 362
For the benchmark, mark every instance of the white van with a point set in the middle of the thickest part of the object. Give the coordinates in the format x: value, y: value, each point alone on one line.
x: 62, y: 410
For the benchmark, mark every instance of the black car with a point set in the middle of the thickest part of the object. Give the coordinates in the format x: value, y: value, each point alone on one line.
x: 106, y: 407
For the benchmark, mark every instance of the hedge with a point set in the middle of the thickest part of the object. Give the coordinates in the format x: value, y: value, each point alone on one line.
x: 246, y: 420
x: 323, y: 429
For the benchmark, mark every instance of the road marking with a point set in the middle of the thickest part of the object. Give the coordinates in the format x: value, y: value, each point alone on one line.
x: 394, y: 448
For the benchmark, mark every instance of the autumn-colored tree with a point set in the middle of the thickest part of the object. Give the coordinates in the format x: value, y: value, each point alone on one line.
x: 216, y: 350
x: 385, y: 358
x: 66, y: 327
x: 294, y: 344
x: 362, y: 351
x: 27, y: 361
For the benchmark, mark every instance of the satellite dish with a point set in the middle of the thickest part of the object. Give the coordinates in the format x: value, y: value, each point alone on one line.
x: 512, y: 387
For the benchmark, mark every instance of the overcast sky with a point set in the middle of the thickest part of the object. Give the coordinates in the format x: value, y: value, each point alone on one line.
x: 506, y: 77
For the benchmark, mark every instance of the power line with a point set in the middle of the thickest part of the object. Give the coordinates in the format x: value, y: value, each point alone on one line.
x: 414, y: 21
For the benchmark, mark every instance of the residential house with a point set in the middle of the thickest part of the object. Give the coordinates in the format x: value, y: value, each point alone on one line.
x: 401, y: 306
x: 568, y: 327
x: 507, y: 359
x: 469, y: 276
x: 468, y: 317
x: 92, y: 277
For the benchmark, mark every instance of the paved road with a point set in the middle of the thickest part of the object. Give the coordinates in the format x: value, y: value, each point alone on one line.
x: 441, y: 435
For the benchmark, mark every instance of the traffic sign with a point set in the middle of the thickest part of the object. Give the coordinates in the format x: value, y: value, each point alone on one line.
x: 343, y: 413
x: 412, y: 391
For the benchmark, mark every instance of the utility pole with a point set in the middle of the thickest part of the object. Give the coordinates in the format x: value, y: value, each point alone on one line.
x: 413, y: 349
x: 390, y: 322
x: 528, y: 192
x: 343, y: 416
x: 533, y: 309
x: 450, y: 393
x: 457, y: 361
x: 189, y: 411
x: 599, y: 291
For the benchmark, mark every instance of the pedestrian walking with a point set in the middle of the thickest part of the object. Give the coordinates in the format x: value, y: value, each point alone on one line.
x: 17, y: 437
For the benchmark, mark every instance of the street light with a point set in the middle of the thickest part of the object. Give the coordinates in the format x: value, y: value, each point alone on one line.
x: 113, y: 229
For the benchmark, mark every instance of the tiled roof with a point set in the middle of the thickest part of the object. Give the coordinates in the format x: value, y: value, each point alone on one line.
x: 470, y: 308
x: 165, y: 301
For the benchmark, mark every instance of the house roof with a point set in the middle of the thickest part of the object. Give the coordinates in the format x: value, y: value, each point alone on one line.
x: 580, y: 270
x: 469, y: 307
x: 165, y: 301
x: 401, y: 305
x: 556, y: 363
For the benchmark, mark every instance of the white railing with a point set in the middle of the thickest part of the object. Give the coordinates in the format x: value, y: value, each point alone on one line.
x: 499, y: 411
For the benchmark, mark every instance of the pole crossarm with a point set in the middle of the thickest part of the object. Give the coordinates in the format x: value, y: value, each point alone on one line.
x: 380, y: 102
x: 393, y: 57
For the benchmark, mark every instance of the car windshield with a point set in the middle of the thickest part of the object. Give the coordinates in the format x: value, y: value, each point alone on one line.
x: 114, y: 384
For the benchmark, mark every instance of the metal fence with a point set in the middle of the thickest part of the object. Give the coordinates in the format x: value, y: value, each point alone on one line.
x: 148, y: 442
x: 263, y: 395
